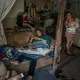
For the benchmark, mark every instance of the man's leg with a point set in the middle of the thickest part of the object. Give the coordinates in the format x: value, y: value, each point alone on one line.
x: 33, y: 61
x: 32, y: 67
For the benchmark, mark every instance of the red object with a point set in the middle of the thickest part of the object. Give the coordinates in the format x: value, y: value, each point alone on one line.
x: 25, y: 20
x: 2, y: 55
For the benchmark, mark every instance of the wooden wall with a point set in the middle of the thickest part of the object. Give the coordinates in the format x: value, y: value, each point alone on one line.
x: 75, y: 7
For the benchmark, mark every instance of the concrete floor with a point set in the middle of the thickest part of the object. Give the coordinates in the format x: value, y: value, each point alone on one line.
x: 43, y: 74
x: 70, y: 69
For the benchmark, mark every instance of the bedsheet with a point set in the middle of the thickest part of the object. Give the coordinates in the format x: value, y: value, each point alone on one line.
x: 38, y: 51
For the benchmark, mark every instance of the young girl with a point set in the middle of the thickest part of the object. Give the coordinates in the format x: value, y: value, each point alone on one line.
x: 71, y: 26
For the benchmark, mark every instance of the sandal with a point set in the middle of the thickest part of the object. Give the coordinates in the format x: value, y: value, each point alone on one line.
x: 15, y: 62
x: 70, y: 53
x: 28, y: 78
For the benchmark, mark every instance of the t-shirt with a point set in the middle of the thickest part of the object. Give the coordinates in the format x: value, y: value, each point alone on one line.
x: 47, y: 38
x: 72, y: 29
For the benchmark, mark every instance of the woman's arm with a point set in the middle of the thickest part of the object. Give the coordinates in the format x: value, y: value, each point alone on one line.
x: 77, y: 23
x: 66, y: 23
x: 37, y: 38
x: 30, y: 41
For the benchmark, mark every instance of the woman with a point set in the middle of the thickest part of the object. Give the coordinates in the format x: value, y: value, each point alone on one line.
x: 71, y: 26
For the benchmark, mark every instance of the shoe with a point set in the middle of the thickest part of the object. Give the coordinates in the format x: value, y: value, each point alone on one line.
x: 15, y: 62
x: 28, y: 78
x: 70, y: 54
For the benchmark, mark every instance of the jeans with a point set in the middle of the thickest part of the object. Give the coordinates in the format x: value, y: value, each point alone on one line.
x: 33, y: 61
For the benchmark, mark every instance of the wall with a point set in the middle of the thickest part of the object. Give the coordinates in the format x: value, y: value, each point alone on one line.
x: 75, y: 7
x: 10, y: 20
x: 39, y: 3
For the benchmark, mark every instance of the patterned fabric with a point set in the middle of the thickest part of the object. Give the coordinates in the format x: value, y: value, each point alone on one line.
x: 72, y: 29
x: 9, y: 51
x: 39, y: 44
x: 5, y: 6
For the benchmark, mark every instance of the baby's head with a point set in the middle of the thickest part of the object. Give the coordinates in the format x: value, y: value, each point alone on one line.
x: 69, y: 15
x: 39, y: 32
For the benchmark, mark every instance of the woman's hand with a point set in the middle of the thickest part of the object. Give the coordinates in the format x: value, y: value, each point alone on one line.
x: 36, y: 38
x: 44, y: 41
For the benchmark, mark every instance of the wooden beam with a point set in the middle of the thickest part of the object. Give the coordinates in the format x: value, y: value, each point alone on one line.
x: 59, y: 34
x: 24, y: 5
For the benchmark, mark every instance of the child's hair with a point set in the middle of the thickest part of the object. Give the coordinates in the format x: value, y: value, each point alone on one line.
x: 39, y: 29
x: 70, y: 13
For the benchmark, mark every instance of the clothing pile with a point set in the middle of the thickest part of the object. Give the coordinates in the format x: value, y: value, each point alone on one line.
x: 7, y: 52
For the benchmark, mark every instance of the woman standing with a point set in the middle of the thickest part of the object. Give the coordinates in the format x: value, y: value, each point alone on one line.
x: 71, y: 26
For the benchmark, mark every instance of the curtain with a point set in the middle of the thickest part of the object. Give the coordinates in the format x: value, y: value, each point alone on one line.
x: 5, y: 6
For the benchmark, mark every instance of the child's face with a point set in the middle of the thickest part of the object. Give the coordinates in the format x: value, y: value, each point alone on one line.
x: 68, y: 16
x: 39, y: 33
